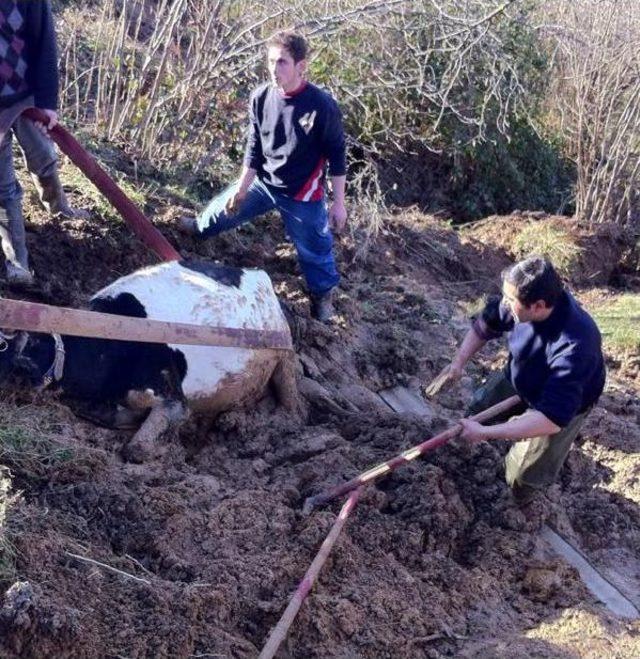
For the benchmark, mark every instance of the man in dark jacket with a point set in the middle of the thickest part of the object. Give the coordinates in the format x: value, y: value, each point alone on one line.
x: 555, y: 365
x: 295, y: 131
x: 28, y: 78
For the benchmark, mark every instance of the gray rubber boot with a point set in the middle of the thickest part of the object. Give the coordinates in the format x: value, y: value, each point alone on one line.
x: 14, y: 244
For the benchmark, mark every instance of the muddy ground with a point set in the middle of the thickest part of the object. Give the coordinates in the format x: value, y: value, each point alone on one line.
x: 436, y: 561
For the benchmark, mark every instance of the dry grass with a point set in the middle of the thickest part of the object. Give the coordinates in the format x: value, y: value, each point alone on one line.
x: 31, y: 444
x: 33, y: 447
x: 552, y: 242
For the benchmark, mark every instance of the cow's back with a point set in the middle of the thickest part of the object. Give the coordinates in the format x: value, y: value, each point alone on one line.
x: 217, y: 296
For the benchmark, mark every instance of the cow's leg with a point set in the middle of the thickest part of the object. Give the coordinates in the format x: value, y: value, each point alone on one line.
x: 144, y: 444
x: 286, y: 385
x: 142, y: 400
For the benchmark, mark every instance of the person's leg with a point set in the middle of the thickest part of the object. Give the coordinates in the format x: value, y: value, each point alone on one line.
x: 534, y: 464
x: 12, y: 233
x: 39, y: 151
x: 214, y: 219
x: 42, y: 162
x: 496, y: 389
x: 307, y: 224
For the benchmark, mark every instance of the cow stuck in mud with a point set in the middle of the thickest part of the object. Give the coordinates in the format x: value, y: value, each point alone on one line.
x: 117, y: 383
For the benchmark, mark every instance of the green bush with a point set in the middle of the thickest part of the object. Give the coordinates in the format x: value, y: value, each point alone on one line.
x: 524, y: 171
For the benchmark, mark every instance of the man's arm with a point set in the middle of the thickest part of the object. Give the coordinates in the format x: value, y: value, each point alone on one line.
x: 253, y: 158
x: 530, y: 424
x: 338, y: 210
x: 247, y: 176
x: 471, y: 344
x: 334, y: 145
x: 43, y: 62
x: 490, y: 324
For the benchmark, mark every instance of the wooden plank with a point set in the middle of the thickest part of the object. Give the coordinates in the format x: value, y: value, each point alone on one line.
x: 403, y: 400
x: 33, y: 317
x: 602, y: 589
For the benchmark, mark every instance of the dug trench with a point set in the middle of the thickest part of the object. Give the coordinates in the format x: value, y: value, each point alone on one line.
x: 209, y: 541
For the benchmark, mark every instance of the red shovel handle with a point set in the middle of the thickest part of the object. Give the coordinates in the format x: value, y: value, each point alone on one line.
x: 406, y: 456
x: 131, y: 214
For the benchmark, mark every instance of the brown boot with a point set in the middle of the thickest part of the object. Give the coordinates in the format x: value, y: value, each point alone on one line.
x: 54, y: 199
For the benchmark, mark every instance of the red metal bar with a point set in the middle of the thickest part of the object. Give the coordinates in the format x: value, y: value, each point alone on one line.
x: 131, y: 214
x: 279, y: 632
x: 405, y: 457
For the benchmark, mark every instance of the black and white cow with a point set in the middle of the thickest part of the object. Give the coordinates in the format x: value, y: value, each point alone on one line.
x: 128, y: 378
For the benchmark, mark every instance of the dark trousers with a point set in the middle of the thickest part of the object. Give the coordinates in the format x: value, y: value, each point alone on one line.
x: 531, y: 463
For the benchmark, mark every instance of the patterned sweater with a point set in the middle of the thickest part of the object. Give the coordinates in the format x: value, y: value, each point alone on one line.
x: 28, y: 57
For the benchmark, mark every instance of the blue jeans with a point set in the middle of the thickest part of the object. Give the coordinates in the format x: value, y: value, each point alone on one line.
x: 305, y: 222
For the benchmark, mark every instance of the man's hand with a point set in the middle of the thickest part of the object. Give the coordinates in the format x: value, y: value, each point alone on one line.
x: 449, y: 374
x: 52, y: 117
x: 235, y: 201
x: 473, y: 432
x: 337, y: 216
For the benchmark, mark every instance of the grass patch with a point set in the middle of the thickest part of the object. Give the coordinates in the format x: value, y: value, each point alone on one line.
x: 28, y: 445
x: 73, y: 178
x: 554, y: 243
x: 619, y: 320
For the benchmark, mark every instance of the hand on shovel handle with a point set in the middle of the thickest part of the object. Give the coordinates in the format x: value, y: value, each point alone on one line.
x: 450, y: 373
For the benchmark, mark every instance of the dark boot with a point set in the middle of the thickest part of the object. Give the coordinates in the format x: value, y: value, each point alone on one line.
x: 322, y: 307
x: 14, y: 245
x: 54, y: 199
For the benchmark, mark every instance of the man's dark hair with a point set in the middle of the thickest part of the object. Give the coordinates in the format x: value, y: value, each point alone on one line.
x: 294, y: 43
x: 534, y: 279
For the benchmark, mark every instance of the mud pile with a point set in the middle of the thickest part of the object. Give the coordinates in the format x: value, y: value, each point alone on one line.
x: 210, y: 540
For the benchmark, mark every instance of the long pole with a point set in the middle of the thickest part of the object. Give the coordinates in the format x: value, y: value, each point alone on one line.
x: 279, y: 632
x: 131, y: 214
x: 405, y: 457
x: 35, y: 317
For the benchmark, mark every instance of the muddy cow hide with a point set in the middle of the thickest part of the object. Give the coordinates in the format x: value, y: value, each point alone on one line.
x: 109, y: 376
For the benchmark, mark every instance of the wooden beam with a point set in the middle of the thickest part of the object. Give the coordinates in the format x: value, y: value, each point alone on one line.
x: 34, y: 317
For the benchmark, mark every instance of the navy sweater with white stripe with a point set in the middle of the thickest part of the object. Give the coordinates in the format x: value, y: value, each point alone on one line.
x: 292, y: 138
x: 555, y: 365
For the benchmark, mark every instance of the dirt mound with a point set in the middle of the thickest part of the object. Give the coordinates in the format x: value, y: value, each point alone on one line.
x: 197, y: 553
x: 597, y: 254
